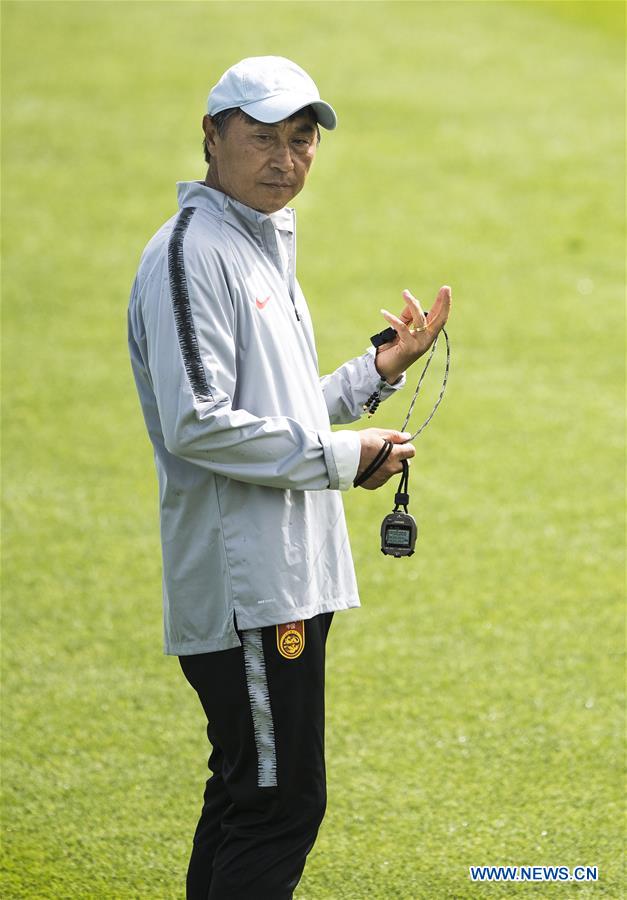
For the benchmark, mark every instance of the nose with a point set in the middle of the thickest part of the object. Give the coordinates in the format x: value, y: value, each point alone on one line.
x: 282, y: 158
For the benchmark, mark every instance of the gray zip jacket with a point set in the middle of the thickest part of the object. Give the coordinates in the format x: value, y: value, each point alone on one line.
x: 222, y: 350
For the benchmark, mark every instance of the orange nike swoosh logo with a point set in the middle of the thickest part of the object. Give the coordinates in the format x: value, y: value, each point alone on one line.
x: 261, y: 303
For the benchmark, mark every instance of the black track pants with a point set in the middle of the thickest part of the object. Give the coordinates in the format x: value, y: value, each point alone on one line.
x: 266, y: 798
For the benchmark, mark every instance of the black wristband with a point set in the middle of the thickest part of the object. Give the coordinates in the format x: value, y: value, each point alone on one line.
x: 383, y: 337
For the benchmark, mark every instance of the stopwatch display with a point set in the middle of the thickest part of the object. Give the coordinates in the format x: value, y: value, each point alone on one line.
x: 398, y: 534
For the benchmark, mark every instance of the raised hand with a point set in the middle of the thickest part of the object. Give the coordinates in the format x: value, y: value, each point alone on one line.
x: 415, y: 333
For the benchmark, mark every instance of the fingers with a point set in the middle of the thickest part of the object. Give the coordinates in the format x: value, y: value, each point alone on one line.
x: 413, y: 319
x: 398, y: 454
x: 418, y: 316
x: 372, y: 443
x: 439, y: 312
x: 396, y: 437
x: 400, y: 326
x: 405, y: 451
x: 391, y: 467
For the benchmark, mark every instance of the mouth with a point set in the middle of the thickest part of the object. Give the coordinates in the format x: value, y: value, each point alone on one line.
x: 277, y: 184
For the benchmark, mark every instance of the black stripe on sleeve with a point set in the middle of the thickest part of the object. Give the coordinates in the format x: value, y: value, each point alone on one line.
x: 188, y: 342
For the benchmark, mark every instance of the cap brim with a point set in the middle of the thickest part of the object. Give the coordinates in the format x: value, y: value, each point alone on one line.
x: 282, y: 106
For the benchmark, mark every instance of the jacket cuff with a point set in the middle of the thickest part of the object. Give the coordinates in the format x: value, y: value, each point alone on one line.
x: 386, y: 389
x: 342, y: 452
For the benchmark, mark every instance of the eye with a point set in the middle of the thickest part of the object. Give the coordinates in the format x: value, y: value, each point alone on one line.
x: 264, y: 137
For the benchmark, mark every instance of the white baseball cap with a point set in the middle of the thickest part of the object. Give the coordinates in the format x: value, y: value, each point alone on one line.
x: 270, y: 89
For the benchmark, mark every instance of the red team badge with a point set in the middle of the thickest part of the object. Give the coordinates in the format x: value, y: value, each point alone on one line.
x: 290, y: 639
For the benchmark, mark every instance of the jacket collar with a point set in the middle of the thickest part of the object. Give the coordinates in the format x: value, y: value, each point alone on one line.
x: 195, y: 193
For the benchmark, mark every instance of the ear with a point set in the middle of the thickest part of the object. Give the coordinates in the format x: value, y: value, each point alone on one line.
x: 210, y: 133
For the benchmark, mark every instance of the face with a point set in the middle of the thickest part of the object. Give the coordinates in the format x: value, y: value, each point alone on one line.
x: 262, y: 166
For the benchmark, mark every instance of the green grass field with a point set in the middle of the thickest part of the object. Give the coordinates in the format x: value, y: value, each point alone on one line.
x: 475, y: 702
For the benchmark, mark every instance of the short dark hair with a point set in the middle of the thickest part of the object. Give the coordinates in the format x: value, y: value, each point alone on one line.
x: 220, y: 120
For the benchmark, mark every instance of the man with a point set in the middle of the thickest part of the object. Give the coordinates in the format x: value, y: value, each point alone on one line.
x: 255, y: 550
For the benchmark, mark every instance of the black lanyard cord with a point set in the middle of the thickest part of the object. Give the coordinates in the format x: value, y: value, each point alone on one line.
x: 401, y: 497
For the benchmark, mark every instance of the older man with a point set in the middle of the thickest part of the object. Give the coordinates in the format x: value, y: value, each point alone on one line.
x: 255, y: 551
